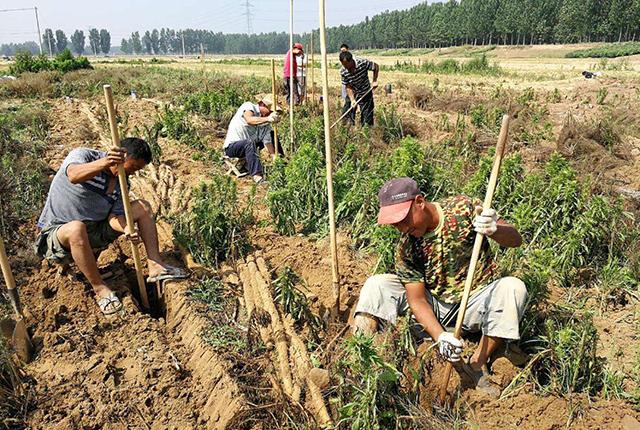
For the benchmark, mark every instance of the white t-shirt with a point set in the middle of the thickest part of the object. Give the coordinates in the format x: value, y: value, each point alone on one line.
x: 240, y: 130
x: 302, y: 60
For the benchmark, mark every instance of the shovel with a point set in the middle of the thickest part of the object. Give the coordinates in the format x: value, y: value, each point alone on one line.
x: 15, y: 330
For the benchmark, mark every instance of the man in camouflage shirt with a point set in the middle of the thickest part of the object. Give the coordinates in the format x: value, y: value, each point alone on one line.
x: 432, y: 261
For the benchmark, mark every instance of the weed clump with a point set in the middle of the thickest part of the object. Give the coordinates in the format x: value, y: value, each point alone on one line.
x: 214, y: 228
x: 63, y: 62
x: 12, y: 400
x: 23, y: 133
x: 610, y: 50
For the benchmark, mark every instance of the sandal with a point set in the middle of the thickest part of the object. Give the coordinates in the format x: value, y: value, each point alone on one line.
x: 168, y: 272
x: 482, y: 381
x: 110, y: 305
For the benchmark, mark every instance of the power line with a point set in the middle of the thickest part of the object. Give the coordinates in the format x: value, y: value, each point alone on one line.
x: 248, y: 14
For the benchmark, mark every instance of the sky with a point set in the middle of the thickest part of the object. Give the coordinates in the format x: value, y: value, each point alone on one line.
x: 121, y: 17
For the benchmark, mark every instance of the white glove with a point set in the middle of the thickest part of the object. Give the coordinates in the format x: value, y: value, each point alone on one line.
x: 487, y: 222
x: 274, y: 117
x: 450, y: 346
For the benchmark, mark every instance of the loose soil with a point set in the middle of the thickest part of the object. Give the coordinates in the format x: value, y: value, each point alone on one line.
x: 143, y: 371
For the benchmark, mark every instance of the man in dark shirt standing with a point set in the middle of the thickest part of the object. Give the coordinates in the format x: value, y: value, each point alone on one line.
x: 355, y: 77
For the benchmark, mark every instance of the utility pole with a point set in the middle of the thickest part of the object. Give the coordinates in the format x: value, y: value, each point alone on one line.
x: 38, y: 25
x: 37, y: 22
x: 249, y: 15
x: 182, y: 34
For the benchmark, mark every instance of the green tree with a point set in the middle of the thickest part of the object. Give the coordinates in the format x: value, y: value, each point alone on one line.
x: 136, y: 43
x: 49, y: 41
x: 155, y: 41
x: 146, y: 40
x: 94, y: 41
x: 61, y: 41
x: 77, y: 42
x: 125, y: 46
x: 105, y: 41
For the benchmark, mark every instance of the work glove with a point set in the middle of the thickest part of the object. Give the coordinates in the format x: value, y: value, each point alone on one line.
x: 450, y: 347
x: 486, y: 222
x: 132, y: 237
x: 274, y: 118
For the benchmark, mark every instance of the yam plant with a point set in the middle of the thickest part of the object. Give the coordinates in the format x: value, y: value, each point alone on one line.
x: 215, y: 227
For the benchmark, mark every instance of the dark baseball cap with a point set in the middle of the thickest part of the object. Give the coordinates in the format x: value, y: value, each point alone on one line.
x: 396, y: 196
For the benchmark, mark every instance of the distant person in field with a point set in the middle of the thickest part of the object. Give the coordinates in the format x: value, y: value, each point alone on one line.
x: 302, y: 62
x: 249, y: 131
x: 347, y: 101
x: 432, y: 260
x: 292, y: 55
x: 355, y: 77
x: 84, y: 213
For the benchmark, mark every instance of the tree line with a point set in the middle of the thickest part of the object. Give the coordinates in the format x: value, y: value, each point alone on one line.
x: 455, y: 22
x: 55, y: 42
x: 486, y: 22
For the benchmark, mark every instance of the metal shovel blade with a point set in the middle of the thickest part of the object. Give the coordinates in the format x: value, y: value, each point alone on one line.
x: 22, y: 341
x: 16, y: 332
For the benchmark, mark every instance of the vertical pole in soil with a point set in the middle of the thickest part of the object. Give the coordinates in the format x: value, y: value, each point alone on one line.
x: 291, y: 99
x: 38, y: 25
x: 313, y: 81
x: 477, y: 244
x: 124, y: 190
x: 274, y: 95
x: 329, y: 158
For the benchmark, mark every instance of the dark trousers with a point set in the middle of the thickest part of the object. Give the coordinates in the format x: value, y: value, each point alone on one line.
x: 366, y: 110
x: 249, y: 150
x: 246, y: 149
x: 295, y: 90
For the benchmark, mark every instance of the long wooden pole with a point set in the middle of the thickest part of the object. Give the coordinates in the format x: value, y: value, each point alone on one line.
x: 329, y: 162
x: 124, y: 189
x: 477, y: 244
x: 274, y: 96
x: 292, y: 101
x: 313, y: 81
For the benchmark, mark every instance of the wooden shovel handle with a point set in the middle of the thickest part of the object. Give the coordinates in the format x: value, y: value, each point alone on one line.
x: 9, y: 280
x: 477, y: 244
x: 124, y: 190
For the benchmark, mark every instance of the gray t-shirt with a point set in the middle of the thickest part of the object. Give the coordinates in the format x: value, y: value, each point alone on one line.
x: 86, y: 201
x: 240, y: 130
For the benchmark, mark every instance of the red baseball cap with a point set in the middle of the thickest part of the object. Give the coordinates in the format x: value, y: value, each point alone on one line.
x: 298, y: 45
x: 396, y: 197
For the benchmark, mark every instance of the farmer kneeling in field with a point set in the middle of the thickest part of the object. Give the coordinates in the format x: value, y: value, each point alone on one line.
x: 84, y: 213
x: 249, y: 131
x: 432, y: 260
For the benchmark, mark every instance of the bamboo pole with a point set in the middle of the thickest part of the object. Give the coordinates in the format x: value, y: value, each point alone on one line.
x: 274, y: 96
x: 291, y: 98
x: 327, y: 145
x: 124, y: 190
x: 313, y: 81
x: 477, y: 244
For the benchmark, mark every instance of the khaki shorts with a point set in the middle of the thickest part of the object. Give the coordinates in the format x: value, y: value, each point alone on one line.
x: 495, y: 310
x: 47, y: 245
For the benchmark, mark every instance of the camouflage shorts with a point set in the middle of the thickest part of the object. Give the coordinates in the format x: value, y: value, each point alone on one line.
x: 47, y: 245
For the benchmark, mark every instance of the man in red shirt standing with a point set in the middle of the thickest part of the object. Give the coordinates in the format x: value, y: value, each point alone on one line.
x: 295, y: 51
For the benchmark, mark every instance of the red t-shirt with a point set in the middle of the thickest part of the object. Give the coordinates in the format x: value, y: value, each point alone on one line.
x: 287, y: 65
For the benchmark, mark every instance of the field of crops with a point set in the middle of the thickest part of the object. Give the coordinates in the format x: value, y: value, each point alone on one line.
x: 248, y: 341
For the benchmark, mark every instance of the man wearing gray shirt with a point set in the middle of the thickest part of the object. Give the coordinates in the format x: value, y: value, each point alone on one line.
x: 84, y: 212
